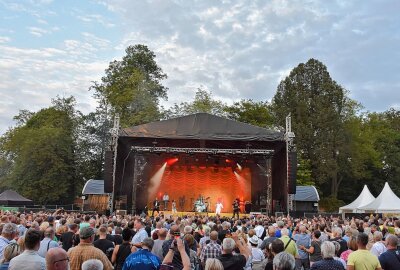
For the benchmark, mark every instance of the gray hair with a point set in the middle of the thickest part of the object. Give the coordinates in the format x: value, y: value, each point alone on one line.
x: 9, y: 228
x: 92, y: 264
x: 284, y: 261
x: 148, y: 242
x: 214, y: 264
x: 378, y: 236
x: 228, y: 245
x: 328, y: 250
x: 284, y: 231
x: 187, y: 229
x: 337, y: 231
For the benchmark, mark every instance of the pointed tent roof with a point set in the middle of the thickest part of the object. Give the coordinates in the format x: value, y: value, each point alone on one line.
x: 364, y: 198
x: 202, y: 126
x: 386, y: 202
x: 11, y: 197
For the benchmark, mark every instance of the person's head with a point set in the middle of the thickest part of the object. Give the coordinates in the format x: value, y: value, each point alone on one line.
x: 280, y: 224
x: 32, y: 239
x: 392, y: 241
x: 188, y: 230
x: 328, y: 250
x: 103, y: 232
x: 284, y: 231
x: 162, y: 233
x: 253, y: 241
x: 49, y: 233
x: 57, y: 259
x: 126, y: 234
x: 86, y: 235
x: 73, y: 227
x: 148, y: 243
x: 228, y: 245
x: 214, y: 235
x: 302, y: 229
x: 138, y: 224
x: 283, y: 261
x: 9, y: 231
x: 352, y: 243
x: 10, y: 251
x: 277, y: 246
x: 317, y: 234
x: 337, y: 232
x: 213, y: 264
x: 92, y: 264
x: 362, y: 240
x: 271, y: 231
x: 377, y: 236
x: 189, y: 239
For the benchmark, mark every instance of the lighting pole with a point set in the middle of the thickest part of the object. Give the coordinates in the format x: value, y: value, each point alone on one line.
x: 289, y: 137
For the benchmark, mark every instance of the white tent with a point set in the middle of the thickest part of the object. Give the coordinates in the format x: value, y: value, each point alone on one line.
x: 386, y: 202
x: 364, y: 198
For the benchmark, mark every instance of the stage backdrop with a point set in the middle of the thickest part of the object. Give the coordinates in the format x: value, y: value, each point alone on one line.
x: 218, y: 184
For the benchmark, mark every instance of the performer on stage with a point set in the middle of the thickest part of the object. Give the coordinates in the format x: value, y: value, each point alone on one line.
x: 218, y: 208
x: 236, y: 207
x: 166, y: 200
x: 174, y: 207
x: 156, y: 207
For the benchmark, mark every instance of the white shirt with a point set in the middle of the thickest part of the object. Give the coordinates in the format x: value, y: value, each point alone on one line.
x: 378, y: 248
x: 259, y: 230
x: 28, y: 260
x: 139, y: 236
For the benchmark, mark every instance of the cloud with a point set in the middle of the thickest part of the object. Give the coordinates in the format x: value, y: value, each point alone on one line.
x: 88, y: 18
x: 4, y: 39
x: 242, y: 49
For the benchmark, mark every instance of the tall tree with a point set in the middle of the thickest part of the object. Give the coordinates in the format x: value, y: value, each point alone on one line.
x: 132, y: 87
x: 41, y: 152
x: 203, y: 102
x: 318, y: 106
x: 251, y: 112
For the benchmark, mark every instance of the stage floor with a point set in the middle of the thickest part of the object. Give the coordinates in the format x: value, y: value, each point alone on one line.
x: 181, y: 214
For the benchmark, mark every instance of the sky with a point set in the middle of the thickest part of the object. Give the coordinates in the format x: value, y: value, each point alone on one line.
x: 235, y: 49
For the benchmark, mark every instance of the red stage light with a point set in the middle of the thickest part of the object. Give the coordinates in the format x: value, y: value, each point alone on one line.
x: 171, y: 161
x: 228, y: 160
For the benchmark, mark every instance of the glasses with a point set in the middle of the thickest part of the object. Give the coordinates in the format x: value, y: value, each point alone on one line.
x: 66, y: 259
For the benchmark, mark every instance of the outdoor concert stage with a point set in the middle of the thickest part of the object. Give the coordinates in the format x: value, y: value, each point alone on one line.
x: 191, y: 213
x: 199, y: 155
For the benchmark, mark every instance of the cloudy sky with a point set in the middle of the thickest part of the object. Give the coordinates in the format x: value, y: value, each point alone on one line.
x: 236, y: 49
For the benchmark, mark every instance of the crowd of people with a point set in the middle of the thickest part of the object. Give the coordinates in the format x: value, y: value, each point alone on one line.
x: 76, y: 241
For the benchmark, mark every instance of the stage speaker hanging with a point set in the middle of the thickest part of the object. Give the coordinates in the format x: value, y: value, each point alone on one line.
x: 108, y: 171
x: 292, y: 172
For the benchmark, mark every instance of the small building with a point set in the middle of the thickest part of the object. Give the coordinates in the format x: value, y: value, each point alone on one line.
x: 306, y: 199
x: 94, y: 198
x: 12, y: 198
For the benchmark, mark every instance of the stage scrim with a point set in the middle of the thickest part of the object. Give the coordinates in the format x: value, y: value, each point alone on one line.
x: 218, y: 184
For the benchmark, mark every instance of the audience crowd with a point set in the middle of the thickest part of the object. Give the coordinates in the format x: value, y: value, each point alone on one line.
x: 63, y: 240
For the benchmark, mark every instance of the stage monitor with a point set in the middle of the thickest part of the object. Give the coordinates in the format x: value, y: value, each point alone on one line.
x: 108, y: 171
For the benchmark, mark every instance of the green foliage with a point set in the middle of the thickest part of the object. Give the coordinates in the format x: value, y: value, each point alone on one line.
x: 132, y: 87
x: 203, y: 102
x: 330, y: 204
x: 251, y: 112
x: 319, y: 107
x: 41, y: 154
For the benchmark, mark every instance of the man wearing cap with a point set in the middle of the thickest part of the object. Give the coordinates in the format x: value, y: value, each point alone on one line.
x: 85, y: 251
x: 143, y: 259
x: 256, y: 253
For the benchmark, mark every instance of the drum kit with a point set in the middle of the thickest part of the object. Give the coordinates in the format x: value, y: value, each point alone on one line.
x: 201, y: 206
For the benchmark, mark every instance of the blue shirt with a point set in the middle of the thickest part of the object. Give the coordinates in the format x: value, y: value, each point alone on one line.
x: 3, y: 243
x: 142, y: 260
x: 302, y: 239
x: 139, y: 236
x: 390, y: 259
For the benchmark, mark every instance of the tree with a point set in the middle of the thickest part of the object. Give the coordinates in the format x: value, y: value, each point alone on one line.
x: 41, y: 154
x: 132, y: 87
x: 318, y: 106
x: 203, y: 102
x: 251, y: 112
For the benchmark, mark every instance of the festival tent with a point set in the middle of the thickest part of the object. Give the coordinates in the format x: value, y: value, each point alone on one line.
x: 12, y: 198
x: 363, y: 199
x: 386, y: 202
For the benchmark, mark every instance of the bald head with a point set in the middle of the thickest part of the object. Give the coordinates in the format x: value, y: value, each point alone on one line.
x: 162, y: 233
x: 57, y: 259
x: 214, y: 235
x: 49, y: 232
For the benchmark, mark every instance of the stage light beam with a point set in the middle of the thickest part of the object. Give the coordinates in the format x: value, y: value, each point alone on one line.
x: 155, y: 181
x: 172, y: 161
